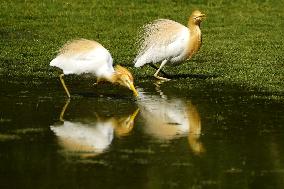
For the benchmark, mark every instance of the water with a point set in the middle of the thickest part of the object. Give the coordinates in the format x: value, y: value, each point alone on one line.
x: 178, y: 134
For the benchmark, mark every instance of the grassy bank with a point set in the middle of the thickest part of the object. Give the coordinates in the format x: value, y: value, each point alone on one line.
x: 243, y: 41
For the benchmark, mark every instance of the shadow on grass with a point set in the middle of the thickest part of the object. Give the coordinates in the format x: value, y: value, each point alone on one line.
x: 192, y: 76
x: 112, y: 96
x: 183, y: 76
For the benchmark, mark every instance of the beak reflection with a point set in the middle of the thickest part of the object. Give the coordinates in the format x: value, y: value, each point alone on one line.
x: 131, y: 86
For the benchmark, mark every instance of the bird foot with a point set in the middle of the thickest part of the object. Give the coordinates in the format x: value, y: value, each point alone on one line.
x: 162, y: 78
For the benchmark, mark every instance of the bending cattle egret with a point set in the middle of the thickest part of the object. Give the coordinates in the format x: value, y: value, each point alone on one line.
x: 168, y: 41
x: 86, y: 56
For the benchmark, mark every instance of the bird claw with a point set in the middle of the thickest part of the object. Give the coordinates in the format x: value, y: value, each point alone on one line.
x: 162, y: 78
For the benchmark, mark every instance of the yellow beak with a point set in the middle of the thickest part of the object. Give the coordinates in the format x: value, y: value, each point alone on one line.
x: 133, y: 89
x: 134, y: 115
x: 203, y: 16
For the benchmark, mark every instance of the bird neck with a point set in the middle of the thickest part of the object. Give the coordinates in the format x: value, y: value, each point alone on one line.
x: 195, y: 32
x: 193, y: 25
x: 113, y: 78
x: 110, y: 78
x: 195, y: 38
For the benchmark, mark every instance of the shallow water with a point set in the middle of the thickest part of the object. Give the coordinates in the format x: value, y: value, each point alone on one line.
x: 178, y: 134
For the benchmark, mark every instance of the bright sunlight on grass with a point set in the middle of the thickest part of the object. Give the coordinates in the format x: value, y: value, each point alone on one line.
x: 243, y: 41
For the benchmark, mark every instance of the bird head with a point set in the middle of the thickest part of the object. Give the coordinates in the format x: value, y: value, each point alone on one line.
x: 125, y: 124
x: 196, y: 17
x: 124, y: 78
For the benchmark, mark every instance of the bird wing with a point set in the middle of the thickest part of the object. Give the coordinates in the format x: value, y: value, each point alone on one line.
x: 84, y: 137
x: 161, y: 39
x: 79, y: 46
x: 96, y: 60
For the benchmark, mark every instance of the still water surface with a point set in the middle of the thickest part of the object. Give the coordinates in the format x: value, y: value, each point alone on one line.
x: 178, y: 134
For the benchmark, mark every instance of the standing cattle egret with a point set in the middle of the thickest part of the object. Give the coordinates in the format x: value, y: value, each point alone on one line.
x: 86, y: 56
x: 168, y: 41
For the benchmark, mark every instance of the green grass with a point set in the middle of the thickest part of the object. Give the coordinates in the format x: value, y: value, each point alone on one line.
x: 243, y: 41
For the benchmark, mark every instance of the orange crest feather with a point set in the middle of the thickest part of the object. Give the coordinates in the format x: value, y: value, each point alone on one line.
x: 123, y: 71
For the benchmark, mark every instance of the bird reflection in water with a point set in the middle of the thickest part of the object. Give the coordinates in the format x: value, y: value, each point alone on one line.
x: 87, y: 139
x: 168, y: 119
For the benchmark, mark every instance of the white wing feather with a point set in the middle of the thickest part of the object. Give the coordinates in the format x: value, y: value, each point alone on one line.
x: 85, y: 137
x: 97, y: 61
x: 162, y: 39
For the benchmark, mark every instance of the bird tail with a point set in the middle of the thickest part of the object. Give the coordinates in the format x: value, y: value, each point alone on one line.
x: 54, y: 62
x: 139, y: 61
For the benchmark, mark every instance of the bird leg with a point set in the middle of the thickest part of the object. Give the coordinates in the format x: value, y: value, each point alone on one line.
x: 156, y: 68
x: 64, y: 86
x: 156, y: 74
x: 98, y: 80
x: 63, y: 110
x: 158, y: 88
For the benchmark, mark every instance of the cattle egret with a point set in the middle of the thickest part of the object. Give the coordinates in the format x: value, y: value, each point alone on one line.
x: 87, y: 56
x: 165, y: 41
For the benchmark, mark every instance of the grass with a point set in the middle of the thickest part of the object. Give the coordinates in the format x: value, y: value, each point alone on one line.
x: 243, y: 41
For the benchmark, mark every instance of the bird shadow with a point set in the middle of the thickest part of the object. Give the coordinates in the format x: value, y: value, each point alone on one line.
x: 183, y: 76
x: 116, y: 96
x: 192, y: 76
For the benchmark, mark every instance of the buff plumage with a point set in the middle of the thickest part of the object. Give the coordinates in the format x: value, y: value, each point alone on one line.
x: 165, y: 41
x: 87, y: 56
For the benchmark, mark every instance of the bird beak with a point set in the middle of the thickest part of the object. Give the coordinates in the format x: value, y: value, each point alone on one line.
x: 202, y: 16
x: 131, y: 86
x: 132, y: 118
x: 134, y: 115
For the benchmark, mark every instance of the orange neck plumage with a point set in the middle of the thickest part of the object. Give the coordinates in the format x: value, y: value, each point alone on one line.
x: 194, y: 43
